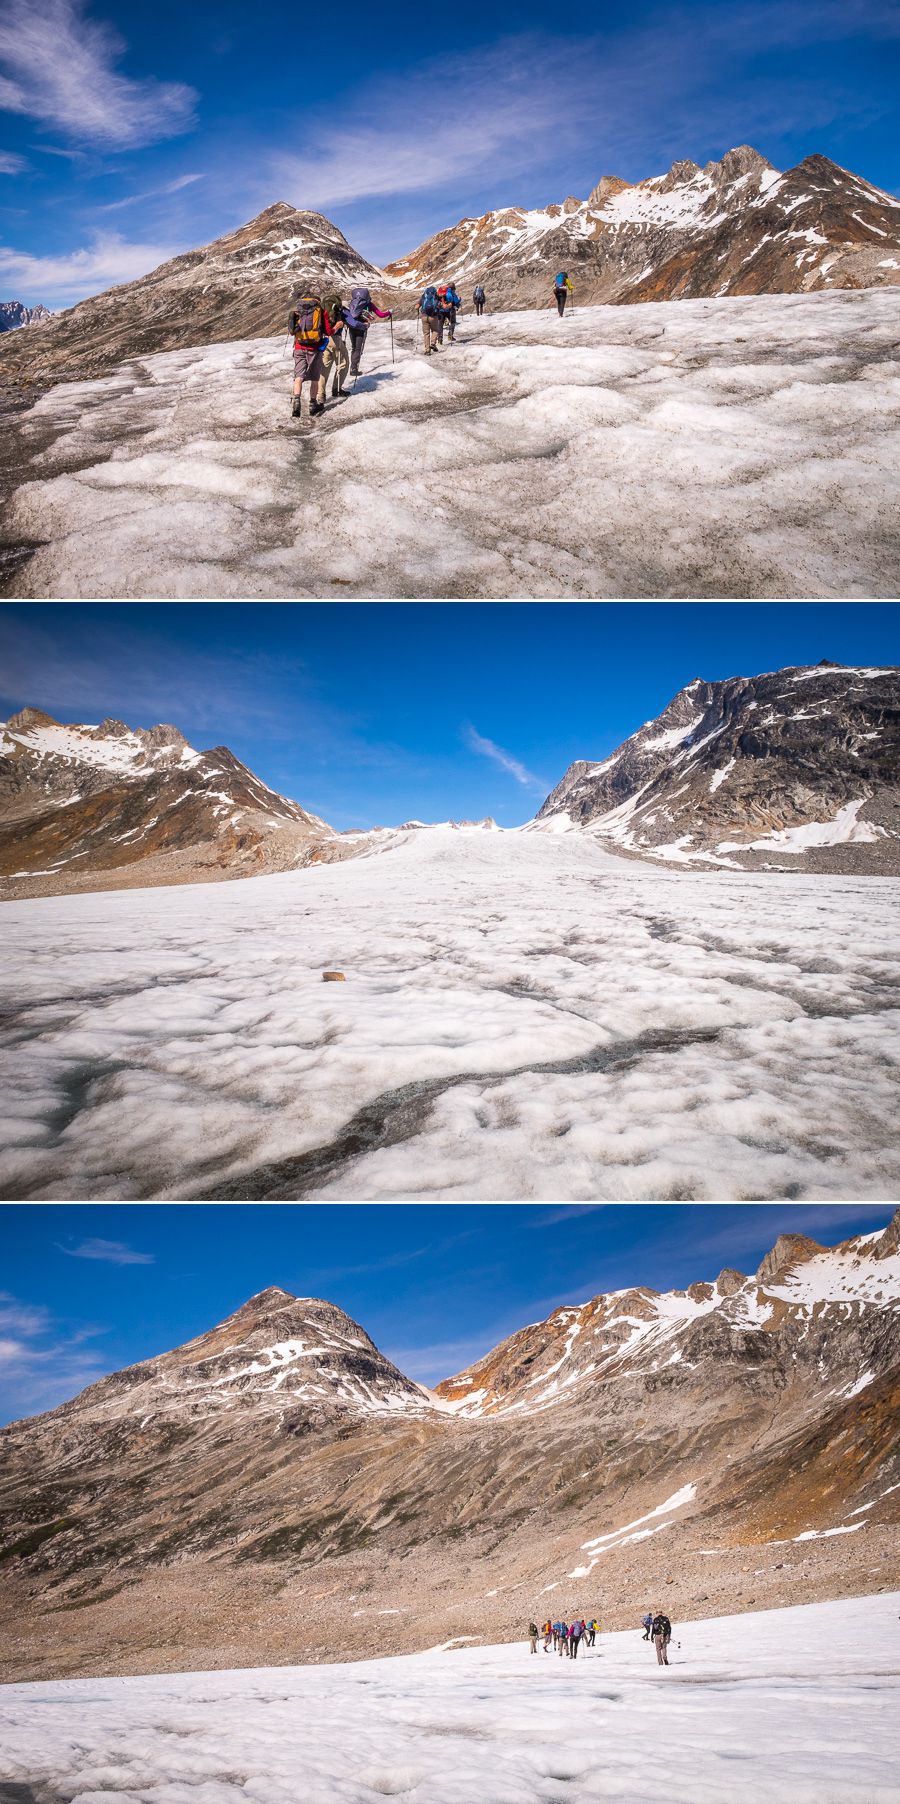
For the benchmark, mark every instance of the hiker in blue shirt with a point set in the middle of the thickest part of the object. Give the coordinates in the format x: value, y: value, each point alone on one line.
x: 449, y: 301
x: 562, y: 288
x: 647, y: 1624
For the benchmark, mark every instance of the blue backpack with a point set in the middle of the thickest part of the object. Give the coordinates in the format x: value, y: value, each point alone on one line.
x: 561, y: 279
x: 360, y: 299
x: 429, y: 302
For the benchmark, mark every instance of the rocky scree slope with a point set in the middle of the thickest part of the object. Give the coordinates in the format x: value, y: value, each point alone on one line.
x: 738, y: 226
x: 277, y: 1490
x: 797, y: 769
x: 101, y: 807
x: 236, y: 287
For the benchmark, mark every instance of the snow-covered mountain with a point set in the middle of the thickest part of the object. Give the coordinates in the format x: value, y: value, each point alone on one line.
x: 796, y: 769
x: 94, y: 806
x: 734, y: 1442
x: 14, y: 314
x: 236, y: 287
x: 738, y: 226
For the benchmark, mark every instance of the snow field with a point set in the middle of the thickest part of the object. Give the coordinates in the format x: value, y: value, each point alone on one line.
x: 722, y: 1036
x: 793, y: 1706
x: 718, y: 447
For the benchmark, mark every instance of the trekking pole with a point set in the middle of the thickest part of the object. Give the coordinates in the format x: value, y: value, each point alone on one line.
x: 392, y: 337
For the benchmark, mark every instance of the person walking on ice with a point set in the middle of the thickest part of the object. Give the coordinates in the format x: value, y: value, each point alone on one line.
x: 429, y: 311
x: 647, y: 1625
x: 335, y: 355
x: 533, y: 1632
x: 575, y: 1634
x: 308, y: 326
x: 478, y: 299
x: 547, y: 1633
x: 662, y: 1635
x: 562, y: 288
x: 359, y: 314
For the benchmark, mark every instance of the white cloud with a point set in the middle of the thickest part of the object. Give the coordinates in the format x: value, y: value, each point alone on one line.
x: 60, y: 69
x: 69, y: 276
x: 131, y: 200
x: 487, y: 748
x: 113, y: 1252
x: 11, y: 163
x: 42, y: 1362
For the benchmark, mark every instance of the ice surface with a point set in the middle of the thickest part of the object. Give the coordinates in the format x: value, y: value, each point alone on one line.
x: 744, y: 446
x: 525, y: 1015
x: 792, y: 1706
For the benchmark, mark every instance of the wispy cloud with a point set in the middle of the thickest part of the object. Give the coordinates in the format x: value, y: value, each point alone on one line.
x: 488, y: 748
x: 11, y: 163
x: 133, y: 200
x: 65, y: 278
x: 567, y: 1212
x: 42, y: 1361
x: 60, y: 68
x: 112, y: 1252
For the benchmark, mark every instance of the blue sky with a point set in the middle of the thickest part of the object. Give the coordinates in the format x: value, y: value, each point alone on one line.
x: 90, y: 1289
x: 130, y: 133
x: 375, y: 713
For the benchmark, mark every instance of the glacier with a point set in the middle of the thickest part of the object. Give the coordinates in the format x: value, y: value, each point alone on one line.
x: 794, y: 1706
x: 710, y: 448
x: 525, y: 1016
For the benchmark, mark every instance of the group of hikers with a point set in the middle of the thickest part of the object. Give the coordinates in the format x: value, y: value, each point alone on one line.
x: 329, y: 336
x: 566, y: 1637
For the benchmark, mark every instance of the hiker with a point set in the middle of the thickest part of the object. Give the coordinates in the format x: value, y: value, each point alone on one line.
x: 449, y: 301
x: 547, y: 1633
x: 562, y: 288
x: 358, y: 318
x: 478, y: 299
x: 575, y: 1634
x: 430, y: 314
x: 335, y: 355
x: 662, y: 1635
x: 533, y: 1636
x: 307, y: 324
x: 591, y: 1630
x: 647, y: 1622
x: 563, y: 1639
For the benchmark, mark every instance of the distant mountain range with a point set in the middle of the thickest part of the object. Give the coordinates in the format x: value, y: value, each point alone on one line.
x: 794, y: 770
x: 738, y: 226
x: 14, y: 314
x: 277, y: 1489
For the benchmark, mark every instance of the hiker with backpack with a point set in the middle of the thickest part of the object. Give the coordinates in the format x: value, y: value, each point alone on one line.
x: 429, y: 312
x: 562, y: 288
x: 533, y: 1636
x: 662, y: 1635
x: 647, y: 1625
x: 592, y: 1628
x: 547, y: 1632
x: 575, y: 1634
x: 309, y: 327
x: 563, y: 1638
x: 449, y: 301
x: 478, y: 299
x: 335, y: 355
x: 358, y: 317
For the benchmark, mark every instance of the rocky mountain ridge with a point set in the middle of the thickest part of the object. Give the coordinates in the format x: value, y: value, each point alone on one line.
x: 14, y: 314
x: 796, y: 769
x: 738, y: 226
x: 727, y: 1445
x: 88, y: 807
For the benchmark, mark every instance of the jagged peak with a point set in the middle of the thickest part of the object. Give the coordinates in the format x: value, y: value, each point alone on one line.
x: 29, y: 717
x: 789, y: 1249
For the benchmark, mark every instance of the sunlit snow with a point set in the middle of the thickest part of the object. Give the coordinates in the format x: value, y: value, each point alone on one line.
x: 791, y: 1706
x: 740, y: 446
x: 524, y: 1015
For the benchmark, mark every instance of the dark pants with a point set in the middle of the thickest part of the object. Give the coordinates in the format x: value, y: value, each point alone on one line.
x: 562, y: 295
x: 590, y: 1637
x: 357, y: 342
x: 479, y: 308
x: 573, y: 1646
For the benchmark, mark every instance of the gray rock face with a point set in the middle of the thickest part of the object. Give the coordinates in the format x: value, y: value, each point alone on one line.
x: 795, y: 769
x: 14, y: 314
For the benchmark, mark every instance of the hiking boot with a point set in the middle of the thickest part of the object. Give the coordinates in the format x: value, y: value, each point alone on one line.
x: 315, y: 408
x: 295, y: 407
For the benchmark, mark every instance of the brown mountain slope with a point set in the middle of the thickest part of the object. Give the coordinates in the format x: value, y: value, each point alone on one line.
x: 276, y: 1489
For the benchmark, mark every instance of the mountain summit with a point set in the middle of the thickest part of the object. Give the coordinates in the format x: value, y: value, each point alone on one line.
x: 793, y: 770
x: 738, y: 226
x: 99, y: 807
x: 719, y: 1447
